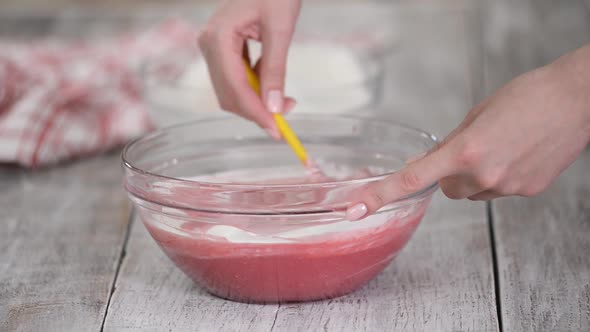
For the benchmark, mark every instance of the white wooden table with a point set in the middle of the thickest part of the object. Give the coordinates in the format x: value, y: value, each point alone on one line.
x: 71, y: 258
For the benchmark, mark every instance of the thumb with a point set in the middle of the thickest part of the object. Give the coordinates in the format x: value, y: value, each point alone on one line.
x: 416, y: 176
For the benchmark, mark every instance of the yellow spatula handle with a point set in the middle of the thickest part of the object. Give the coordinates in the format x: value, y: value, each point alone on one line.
x: 291, y: 138
x: 252, y: 78
x: 282, y: 124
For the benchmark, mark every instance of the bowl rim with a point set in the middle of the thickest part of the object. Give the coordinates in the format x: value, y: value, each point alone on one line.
x: 129, y: 165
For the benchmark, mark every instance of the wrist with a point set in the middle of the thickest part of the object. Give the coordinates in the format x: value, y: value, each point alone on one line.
x: 572, y: 72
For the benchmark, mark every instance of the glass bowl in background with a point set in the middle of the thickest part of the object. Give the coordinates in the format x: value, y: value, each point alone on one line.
x: 235, y: 211
x: 335, y: 70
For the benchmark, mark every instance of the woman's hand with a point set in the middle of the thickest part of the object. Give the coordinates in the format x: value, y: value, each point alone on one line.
x: 513, y: 143
x: 223, y: 44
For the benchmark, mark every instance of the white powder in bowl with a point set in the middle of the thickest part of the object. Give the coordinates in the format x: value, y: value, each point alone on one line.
x: 346, y: 228
x: 276, y: 233
x: 323, y: 77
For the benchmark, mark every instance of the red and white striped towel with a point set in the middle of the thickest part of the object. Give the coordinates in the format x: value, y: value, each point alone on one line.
x: 62, y: 100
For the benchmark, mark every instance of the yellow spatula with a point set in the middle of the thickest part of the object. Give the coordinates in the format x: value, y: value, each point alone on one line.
x: 288, y: 134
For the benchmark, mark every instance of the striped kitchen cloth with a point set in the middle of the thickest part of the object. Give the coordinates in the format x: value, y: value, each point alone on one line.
x: 63, y: 100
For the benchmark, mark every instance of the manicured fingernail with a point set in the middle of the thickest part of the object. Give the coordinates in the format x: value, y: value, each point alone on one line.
x: 289, y: 108
x: 273, y: 133
x: 274, y: 101
x: 356, y: 212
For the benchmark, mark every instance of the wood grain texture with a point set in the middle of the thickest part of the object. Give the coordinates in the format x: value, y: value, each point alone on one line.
x: 49, y: 280
x: 82, y: 23
x: 442, y: 281
x: 523, y: 35
x: 151, y: 294
x: 62, y: 230
x: 542, y: 243
x: 25, y: 26
x: 61, y: 239
x: 429, y: 81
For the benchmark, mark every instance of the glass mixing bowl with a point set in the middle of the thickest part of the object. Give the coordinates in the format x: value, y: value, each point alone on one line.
x: 235, y: 211
x: 327, y: 72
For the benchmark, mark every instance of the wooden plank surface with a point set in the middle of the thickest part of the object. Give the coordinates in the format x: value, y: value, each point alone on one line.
x: 62, y: 231
x: 151, y: 294
x: 542, y: 243
x: 520, y: 36
x: 442, y: 281
x: 62, y: 234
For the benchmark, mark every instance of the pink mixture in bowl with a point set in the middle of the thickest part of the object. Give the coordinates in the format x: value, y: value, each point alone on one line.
x: 234, y: 212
